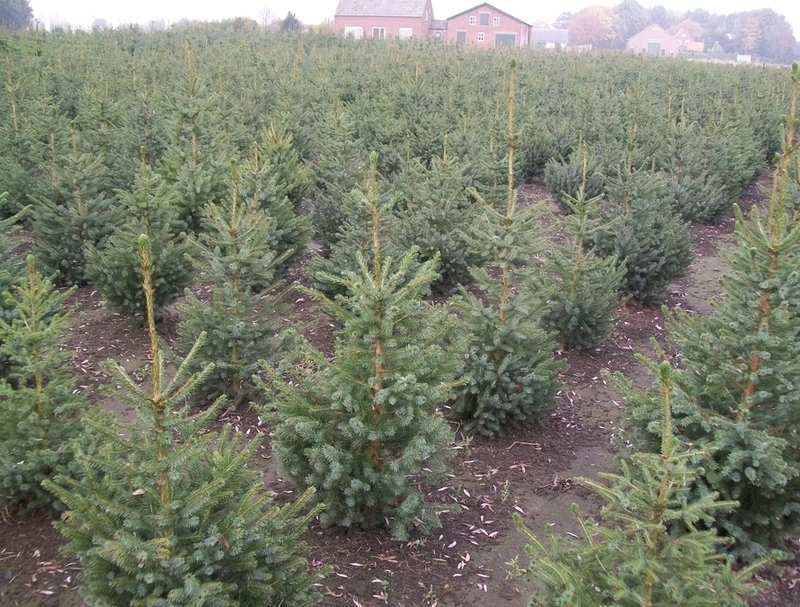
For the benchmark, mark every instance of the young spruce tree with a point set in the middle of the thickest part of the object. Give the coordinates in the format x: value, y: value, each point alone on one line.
x: 10, y: 263
x: 39, y: 404
x: 244, y: 313
x: 268, y: 187
x: 650, y: 550
x: 364, y: 429
x: 511, y: 369
x: 355, y: 233
x: 652, y: 242
x: 168, y: 513
x: 76, y: 214
x: 195, y: 162
x: 585, y: 297
x: 436, y: 217
x: 149, y: 209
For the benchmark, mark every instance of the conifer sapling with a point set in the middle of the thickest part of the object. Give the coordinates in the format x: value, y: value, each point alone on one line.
x: 168, y: 513
x: 39, y: 403
x: 511, y: 371
x: 364, y: 428
x: 651, y: 549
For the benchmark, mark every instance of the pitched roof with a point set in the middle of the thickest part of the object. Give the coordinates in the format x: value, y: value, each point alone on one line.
x: 653, y: 27
x: 381, y: 8
x: 487, y: 5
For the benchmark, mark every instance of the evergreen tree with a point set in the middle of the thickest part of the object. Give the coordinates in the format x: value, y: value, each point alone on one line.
x: 276, y: 148
x: 99, y: 119
x: 39, y: 403
x: 168, y: 513
x: 436, y: 217
x: 355, y: 233
x: 143, y: 124
x: 700, y: 195
x: 644, y: 233
x: 195, y: 162
x: 337, y: 168
x: 512, y: 375
x: 567, y: 178
x: 267, y: 186
x: 364, y: 429
x: 78, y: 213
x: 650, y: 550
x: 150, y: 209
x: 11, y: 272
x: 585, y: 296
x: 743, y: 374
x: 245, y: 311
x: 16, y: 163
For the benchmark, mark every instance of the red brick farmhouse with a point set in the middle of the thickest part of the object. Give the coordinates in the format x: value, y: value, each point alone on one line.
x: 383, y: 18
x: 485, y: 25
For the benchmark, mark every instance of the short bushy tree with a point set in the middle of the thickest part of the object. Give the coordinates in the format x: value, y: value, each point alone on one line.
x: 10, y: 263
x: 39, y: 403
x: 149, y: 209
x: 78, y: 213
x: 277, y: 151
x: 196, y: 160
x: 652, y: 243
x: 651, y: 549
x: 355, y: 232
x: 264, y: 186
x: 436, y: 217
x: 585, y: 296
x: 168, y: 513
x: 337, y: 169
x: 511, y: 370
x: 364, y: 428
x: 243, y: 316
x: 700, y: 195
x: 579, y: 172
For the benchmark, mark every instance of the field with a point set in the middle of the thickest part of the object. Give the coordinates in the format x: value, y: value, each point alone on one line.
x: 91, y: 118
x: 466, y: 561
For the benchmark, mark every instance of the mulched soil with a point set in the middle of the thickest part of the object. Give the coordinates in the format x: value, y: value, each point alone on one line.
x: 462, y: 563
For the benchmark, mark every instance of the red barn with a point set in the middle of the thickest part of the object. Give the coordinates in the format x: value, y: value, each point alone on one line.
x: 487, y: 26
x: 383, y: 18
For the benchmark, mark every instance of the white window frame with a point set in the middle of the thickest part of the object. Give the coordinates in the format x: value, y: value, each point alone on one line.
x: 405, y: 33
x: 495, y: 21
x: 381, y: 31
x: 356, y: 31
x: 481, y: 37
x: 473, y: 20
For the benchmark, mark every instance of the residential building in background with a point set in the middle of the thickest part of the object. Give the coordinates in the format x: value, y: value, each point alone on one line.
x: 687, y: 44
x: 653, y: 40
x: 487, y: 26
x: 383, y: 18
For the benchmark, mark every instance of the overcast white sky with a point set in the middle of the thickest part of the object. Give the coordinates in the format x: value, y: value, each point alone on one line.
x: 81, y: 13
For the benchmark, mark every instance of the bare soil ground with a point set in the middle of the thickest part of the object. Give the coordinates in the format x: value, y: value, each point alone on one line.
x: 465, y: 562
